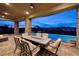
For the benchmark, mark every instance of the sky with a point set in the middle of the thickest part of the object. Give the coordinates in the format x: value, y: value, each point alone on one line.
x: 6, y: 23
x: 63, y: 19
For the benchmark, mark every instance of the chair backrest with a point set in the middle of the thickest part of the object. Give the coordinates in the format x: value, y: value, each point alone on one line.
x: 26, y: 49
x: 17, y: 41
x: 57, y: 44
x: 39, y: 35
x: 44, y: 36
x: 25, y: 35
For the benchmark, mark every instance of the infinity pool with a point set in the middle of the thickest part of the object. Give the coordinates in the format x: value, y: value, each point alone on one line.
x: 65, y: 38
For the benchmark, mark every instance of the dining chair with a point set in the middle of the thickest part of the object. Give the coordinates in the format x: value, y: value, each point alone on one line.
x: 26, y: 35
x: 53, y: 47
x: 29, y: 49
x: 44, y: 36
x: 17, y: 43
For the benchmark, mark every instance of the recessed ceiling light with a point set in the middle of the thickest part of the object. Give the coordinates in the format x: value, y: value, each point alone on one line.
x: 2, y: 16
x: 5, y: 13
x: 7, y: 3
x: 27, y: 12
x: 31, y: 6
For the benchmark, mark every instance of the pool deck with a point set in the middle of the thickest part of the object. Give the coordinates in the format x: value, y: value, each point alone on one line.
x: 7, y: 49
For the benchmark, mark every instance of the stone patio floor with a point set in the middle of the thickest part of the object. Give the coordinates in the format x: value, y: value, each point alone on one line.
x: 7, y: 49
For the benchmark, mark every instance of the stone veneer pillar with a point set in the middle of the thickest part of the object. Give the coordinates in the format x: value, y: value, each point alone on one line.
x: 28, y: 25
x: 16, y: 28
x: 77, y: 30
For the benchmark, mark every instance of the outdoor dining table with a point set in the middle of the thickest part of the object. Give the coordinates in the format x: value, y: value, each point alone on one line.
x: 44, y: 43
x: 38, y: 40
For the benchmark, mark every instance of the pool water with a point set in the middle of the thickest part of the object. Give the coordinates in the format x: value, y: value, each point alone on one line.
x: 64, y: 38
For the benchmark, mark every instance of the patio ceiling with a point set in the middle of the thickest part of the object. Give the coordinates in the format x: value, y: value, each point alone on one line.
x: 17, y: 11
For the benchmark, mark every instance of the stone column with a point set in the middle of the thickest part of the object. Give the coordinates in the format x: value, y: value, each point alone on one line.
x: 28, y: 25
x: 16, y: 28
x: 77, y: 30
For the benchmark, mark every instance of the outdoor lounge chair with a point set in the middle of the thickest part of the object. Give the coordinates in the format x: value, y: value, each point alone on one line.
x: 28, y: 48
x: 3, y: 38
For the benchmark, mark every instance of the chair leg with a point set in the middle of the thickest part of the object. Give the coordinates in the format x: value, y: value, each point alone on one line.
x: 15, y: 51
x: 22, y: 51
x: 57, y: 48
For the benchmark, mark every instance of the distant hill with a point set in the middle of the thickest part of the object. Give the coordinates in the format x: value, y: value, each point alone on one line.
x: 53, y: 30
x: 57, y: 30
x: 6, y: 30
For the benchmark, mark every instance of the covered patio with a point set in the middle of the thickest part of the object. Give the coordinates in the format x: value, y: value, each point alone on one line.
x: 17, y: 12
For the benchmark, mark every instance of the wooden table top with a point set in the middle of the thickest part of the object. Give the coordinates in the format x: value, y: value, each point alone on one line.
x: 38, y: 40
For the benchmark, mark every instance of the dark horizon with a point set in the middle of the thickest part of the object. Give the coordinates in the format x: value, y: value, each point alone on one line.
x: 53, y: 30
